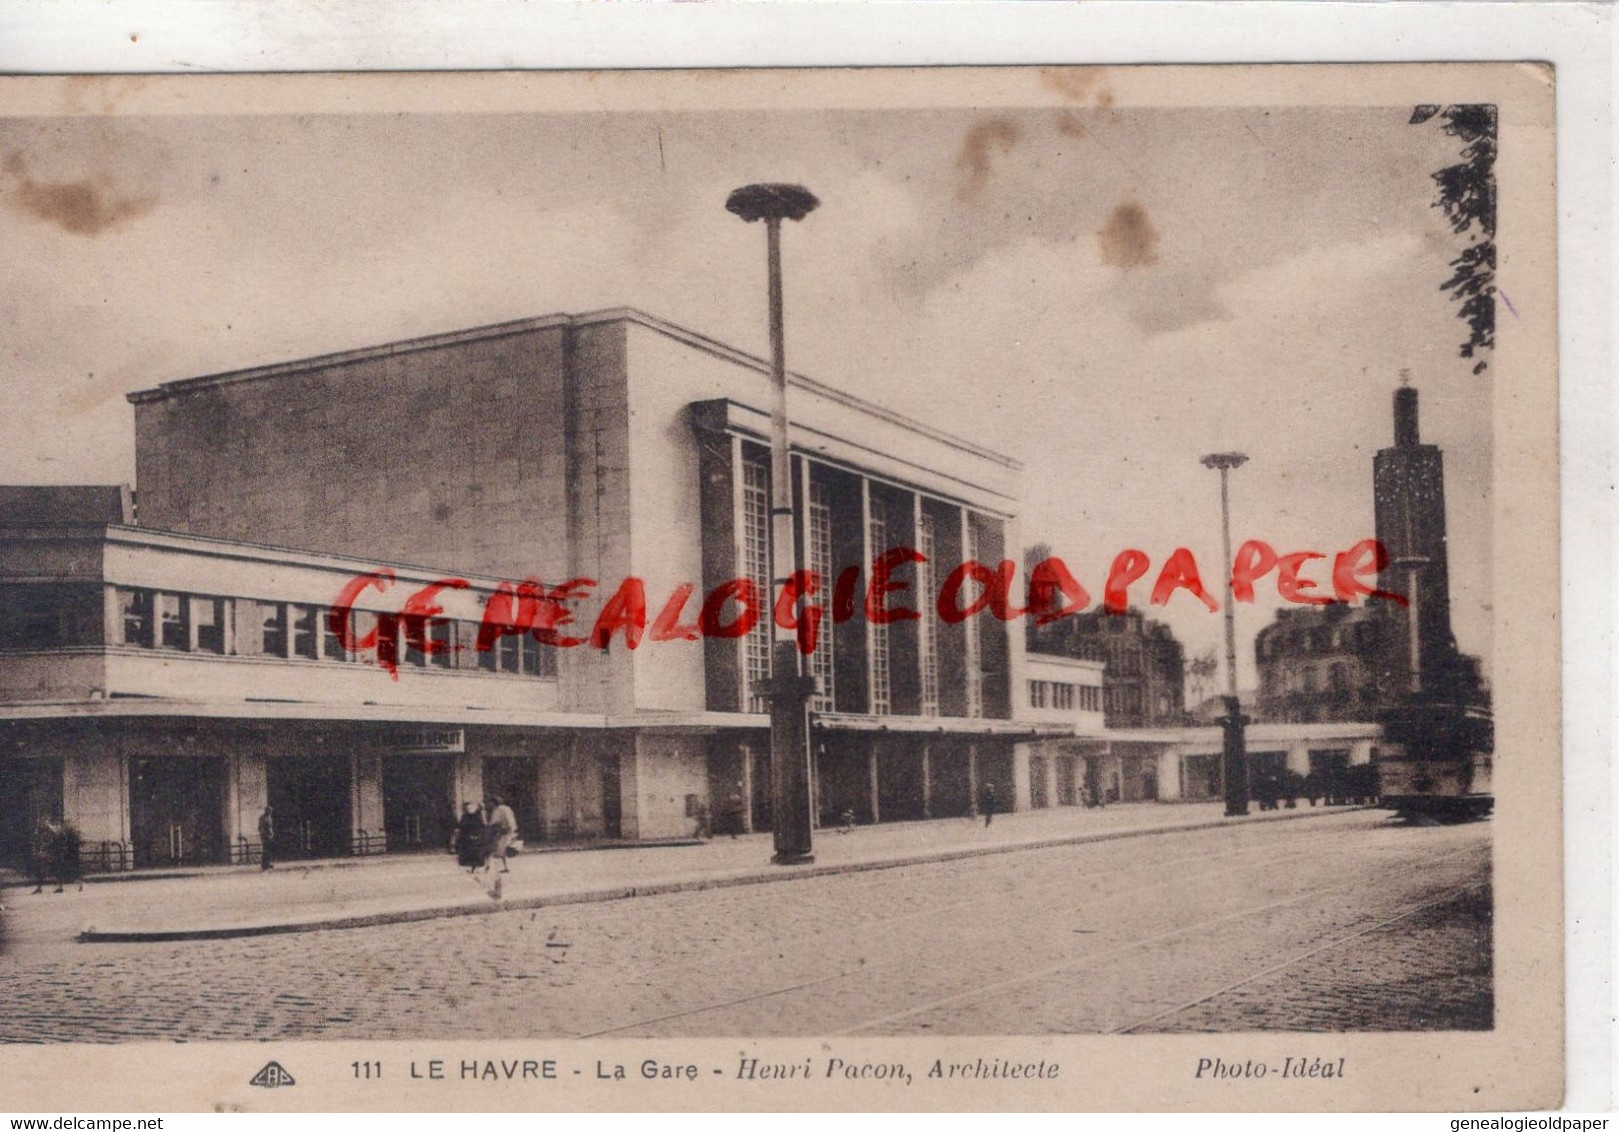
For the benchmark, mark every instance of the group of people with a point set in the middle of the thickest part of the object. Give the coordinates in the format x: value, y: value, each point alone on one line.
x: 484, y: 834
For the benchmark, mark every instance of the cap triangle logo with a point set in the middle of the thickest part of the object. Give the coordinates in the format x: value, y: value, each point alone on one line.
x: 272, y: 1076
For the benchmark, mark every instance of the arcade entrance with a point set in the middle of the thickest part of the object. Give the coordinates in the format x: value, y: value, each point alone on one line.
x: 30, y: 792
x: 418, y: 806
x: 177, y: 810
x: 517, y: 780
x: 312, y: 799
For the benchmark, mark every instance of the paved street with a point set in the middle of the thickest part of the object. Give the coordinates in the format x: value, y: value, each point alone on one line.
x: 1347, y: 921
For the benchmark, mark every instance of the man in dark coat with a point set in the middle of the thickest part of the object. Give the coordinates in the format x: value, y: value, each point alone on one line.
x: 266, y: 836
x: 986, y: 801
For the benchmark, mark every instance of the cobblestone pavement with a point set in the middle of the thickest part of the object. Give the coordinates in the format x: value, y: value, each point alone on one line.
x: 296, y: 892
x: 1352, y: 922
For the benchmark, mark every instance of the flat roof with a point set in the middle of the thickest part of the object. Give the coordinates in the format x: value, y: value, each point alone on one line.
x: 626, y: 314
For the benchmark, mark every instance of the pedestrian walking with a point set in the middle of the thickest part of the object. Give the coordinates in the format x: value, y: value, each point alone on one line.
x: 39, y: 852
x: 471, y: 844
x: 986, y: 801
x: 65, y: 855
x: 266, y: 838
x: 502, y: 830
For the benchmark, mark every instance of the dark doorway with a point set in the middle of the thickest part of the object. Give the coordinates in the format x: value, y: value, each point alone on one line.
x: 899, y: 780
x: 612, y: 800
x: 517, y: 780
x: 176, y: 810
x: 1067, y: 790
x: 30, y: 791
x: 1039, y: 797
x: 312, y: 800
x: 951, y: 793
x: 417, y: 809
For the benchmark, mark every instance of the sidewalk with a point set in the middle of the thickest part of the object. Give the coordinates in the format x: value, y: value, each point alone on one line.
x: 291, y: 898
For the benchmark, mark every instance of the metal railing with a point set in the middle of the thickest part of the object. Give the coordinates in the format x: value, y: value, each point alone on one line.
x: 106, y: 856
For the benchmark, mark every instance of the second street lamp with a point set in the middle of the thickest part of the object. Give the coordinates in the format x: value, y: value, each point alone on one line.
x: 1234, y: 765
x: 789, y: 687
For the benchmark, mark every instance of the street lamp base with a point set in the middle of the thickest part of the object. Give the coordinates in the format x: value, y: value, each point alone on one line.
x: 792, y: 859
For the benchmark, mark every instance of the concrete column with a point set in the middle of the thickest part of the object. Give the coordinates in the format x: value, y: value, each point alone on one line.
x: 466, y: 784
x: 972, y: 779
x: 927, y: 779
x: 1022, y: 779
x: 815, y: 785
x: 112, y: 619
x: 368, y: 799
x: 1051, y: 778
x: 871, y: 766
x: 747, y: 787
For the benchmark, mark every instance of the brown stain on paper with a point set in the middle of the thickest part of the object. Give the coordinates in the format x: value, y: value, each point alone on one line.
x: 975, y: 159
x: 85, y: 207
x: 1079, y: 85
x: 1128, y: 239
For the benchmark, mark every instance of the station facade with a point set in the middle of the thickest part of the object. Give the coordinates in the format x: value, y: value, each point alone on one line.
x: 169, y: 665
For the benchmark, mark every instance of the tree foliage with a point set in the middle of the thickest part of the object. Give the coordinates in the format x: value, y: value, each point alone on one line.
x: 1466, y: 194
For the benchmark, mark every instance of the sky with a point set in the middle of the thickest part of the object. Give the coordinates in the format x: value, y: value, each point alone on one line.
x: 1105, y: 293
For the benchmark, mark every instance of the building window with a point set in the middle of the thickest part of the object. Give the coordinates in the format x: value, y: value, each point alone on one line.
x: 881, y: 674
x: 362, y: 623
x: 927, y: 629
x: 1062, y: 697
x: 756, y: 568
x: 818, y: 541
x: 1309, y: 680
x: 50, y: 616
x: 1037, y: 693
x: 330, y: 647
x: 135, y: 611
x: 273, y: 629
x: 973, y: 639
x: 442, y: 635
x: 209, y: 615
x: 175, y: 622
x: 1090, y: 697
x: 305, y: 631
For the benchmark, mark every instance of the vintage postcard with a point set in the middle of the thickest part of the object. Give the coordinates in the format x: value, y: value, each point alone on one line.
x: 1027, y: 588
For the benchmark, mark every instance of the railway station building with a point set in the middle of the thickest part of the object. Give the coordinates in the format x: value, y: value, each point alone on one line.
x: 170, y: 666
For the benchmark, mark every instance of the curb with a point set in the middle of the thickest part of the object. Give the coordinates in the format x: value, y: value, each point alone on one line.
x: 664, y: 888
x: 293, y: 865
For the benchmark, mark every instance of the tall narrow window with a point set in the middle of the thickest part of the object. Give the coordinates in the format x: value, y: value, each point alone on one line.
x: 273, y: 635
x: 209, y: 613
x: 175, y: 614
x: 305, y: 624
x: 881, y: 674
x: 331, y: 646
x: 927, y: 630
x: 442, y: 634
x: 974, y: 642
x: 756, y: 568
x: 818, y: 540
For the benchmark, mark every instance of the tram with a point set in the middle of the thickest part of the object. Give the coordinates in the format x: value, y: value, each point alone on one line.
x: 1438, y: 761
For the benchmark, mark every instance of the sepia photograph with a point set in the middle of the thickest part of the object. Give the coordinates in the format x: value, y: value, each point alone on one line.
x: 1028, y: 554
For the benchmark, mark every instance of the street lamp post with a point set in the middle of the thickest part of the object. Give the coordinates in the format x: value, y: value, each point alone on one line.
x: 1234, y: 765
x: 789, y: 687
